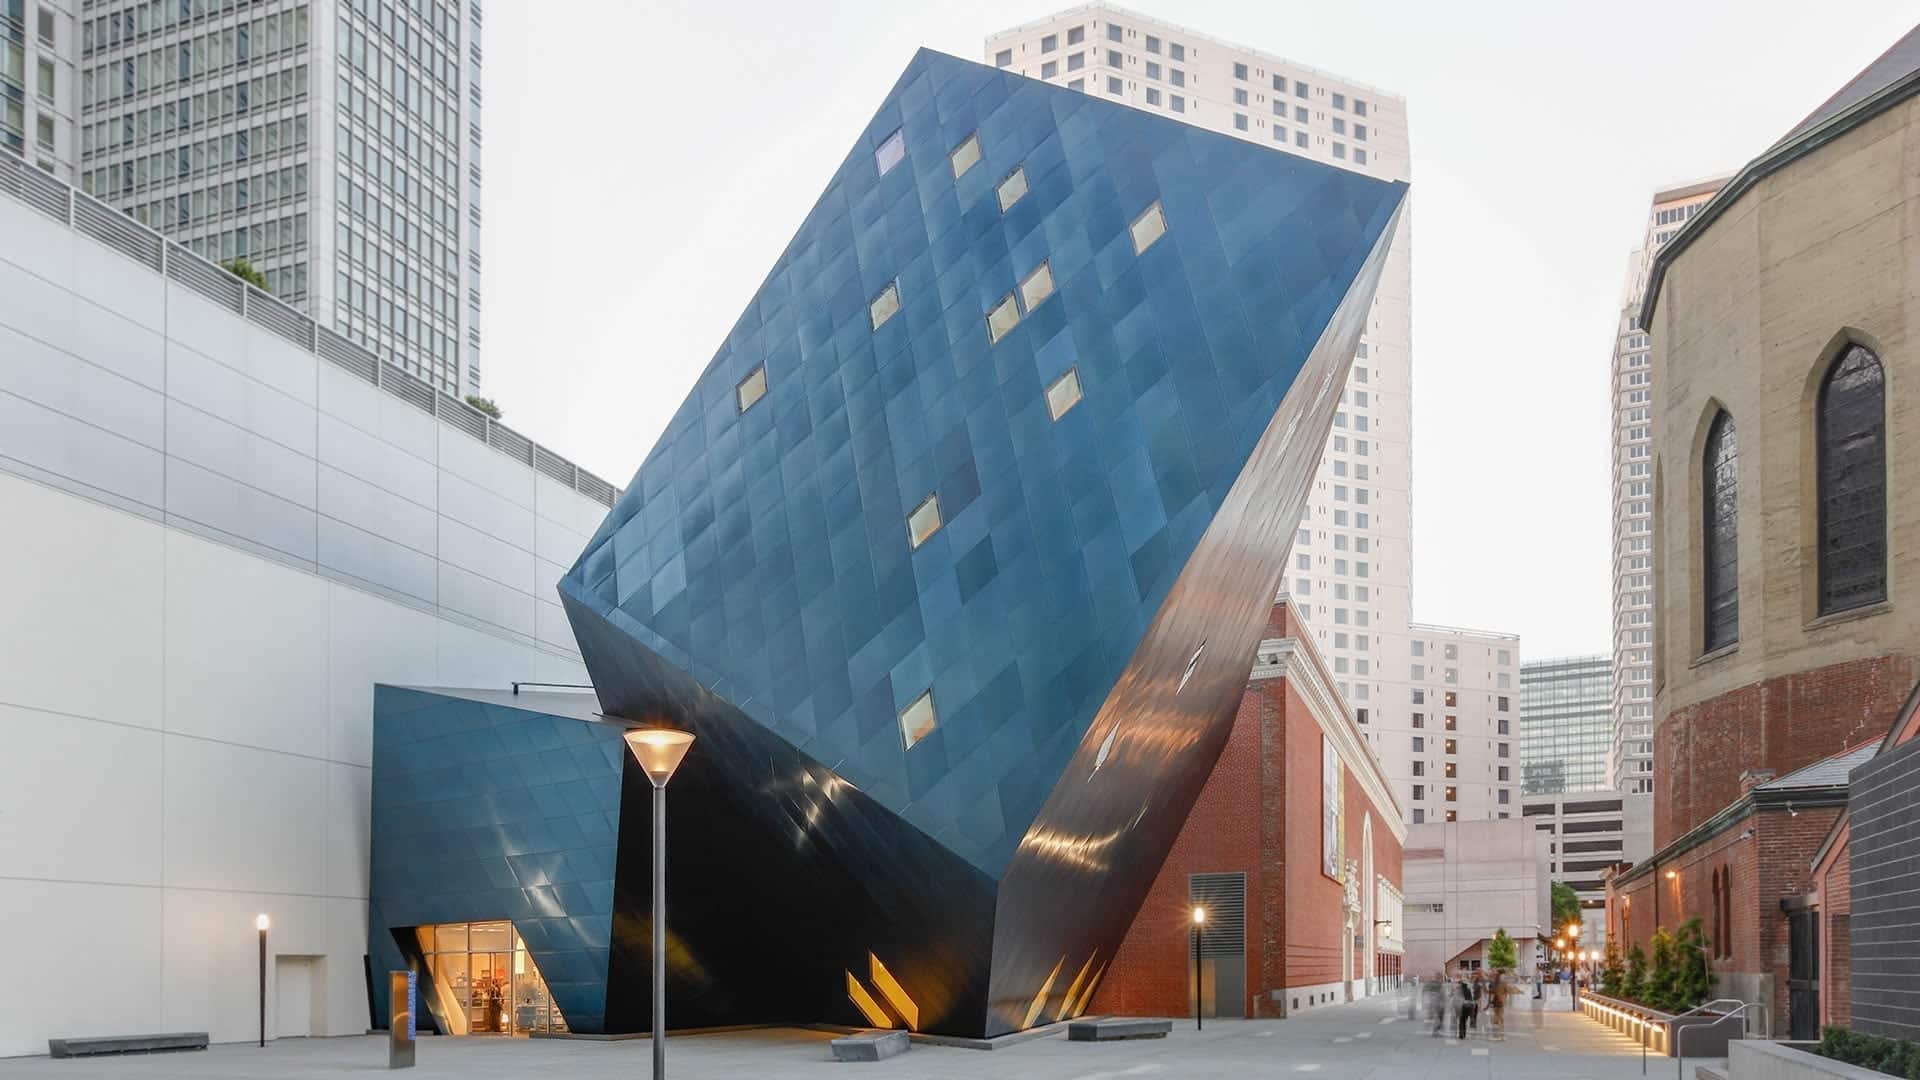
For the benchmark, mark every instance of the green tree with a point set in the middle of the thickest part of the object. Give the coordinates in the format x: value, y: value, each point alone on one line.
x: 485, y: 405
x: 1501, y: 954
x: 1663, y: 976
x: 1633, y: 986
x: 244, y: 270
x: 1613, y: 977
x: 1566, y: 907
x: 1692, y: 978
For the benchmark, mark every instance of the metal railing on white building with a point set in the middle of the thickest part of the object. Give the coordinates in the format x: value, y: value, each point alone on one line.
x: 92, y: 218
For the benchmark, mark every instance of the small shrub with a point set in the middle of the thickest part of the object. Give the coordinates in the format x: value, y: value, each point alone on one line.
x: 1692, y: 981
x: 1613, y: 977
x: 1895, y: 1057
x: 244, y: 270
x: 1634, y: 986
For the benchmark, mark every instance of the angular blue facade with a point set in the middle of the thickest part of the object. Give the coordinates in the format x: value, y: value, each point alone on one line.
x: 1085, y: 614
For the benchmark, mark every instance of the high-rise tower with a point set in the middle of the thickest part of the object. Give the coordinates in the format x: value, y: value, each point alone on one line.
x: 1631, y: 390
x: 332, y: 144
x: 1440, y: 703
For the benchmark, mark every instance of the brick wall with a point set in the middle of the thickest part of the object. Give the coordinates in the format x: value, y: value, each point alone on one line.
x: 1836, y: 905
x: 1152, y: 973
x: 1781, y: 723
x: 1259, y: 813
x: 1767, y: 855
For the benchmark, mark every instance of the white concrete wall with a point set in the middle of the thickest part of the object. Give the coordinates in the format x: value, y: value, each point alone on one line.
x: 212, y: 545
x: 1485, y: 876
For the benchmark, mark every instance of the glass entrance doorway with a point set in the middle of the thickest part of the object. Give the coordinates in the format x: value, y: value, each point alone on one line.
x: 481, y: 981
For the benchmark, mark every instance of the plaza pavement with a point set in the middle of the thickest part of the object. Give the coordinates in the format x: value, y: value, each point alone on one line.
x: 1372, y: 1040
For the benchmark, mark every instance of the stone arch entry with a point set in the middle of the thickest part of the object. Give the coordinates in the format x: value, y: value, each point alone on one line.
x: 1369, y: 959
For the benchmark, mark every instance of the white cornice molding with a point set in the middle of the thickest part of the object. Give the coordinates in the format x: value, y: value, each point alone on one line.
x: 1288, y: 658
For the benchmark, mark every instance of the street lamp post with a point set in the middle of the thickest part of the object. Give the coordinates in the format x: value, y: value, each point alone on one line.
x: 1573, y: 935
x: 260, y: 923
x: 659, y: 751
x: 1199, y: 987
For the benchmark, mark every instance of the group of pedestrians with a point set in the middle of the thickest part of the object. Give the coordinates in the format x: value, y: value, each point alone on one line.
x: 1467, y: 1002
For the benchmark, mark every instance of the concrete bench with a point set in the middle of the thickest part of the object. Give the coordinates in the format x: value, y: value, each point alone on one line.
x: 1108, y: 1028
x: 126, y: 1044
x: 870, y: 1046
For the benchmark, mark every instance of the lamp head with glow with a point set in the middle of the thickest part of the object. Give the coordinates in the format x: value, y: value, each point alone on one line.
x: 1199, y: 916
x: 261, y: 922
x: 1573, y: 930
x: 659, y: 751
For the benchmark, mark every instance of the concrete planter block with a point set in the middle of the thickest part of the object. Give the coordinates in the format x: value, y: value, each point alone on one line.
x: 1109, y: 1028
x: 870, y: 1046
x: 1755, y: 1060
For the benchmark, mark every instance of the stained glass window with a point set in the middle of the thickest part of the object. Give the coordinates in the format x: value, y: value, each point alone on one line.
x: 1720, y: 555
x: 1852, y: 434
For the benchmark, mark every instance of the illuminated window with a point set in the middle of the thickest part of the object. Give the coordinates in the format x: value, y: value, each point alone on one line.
x: 918, y: 720
x: 891, y: 152
x: 1037, y: 287
x: 1147, y: 228
x: 751, y: 389
x: 1453, y: 723
x: 1064, y: 394
x: 884, y: 305
x: 924, y: 521
x: 1012, y: 188
x: 1451, y: 747
x: 1453, y: 770
x: 966, y: 156
x: 1453, y: 795
x: 1003, y: 318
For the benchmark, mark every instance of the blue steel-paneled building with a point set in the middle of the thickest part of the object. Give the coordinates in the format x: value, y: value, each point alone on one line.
x: 954, y: 561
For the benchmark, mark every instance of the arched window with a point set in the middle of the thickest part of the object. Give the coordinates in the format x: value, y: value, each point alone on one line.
x: 1852, y: 500
x: 1720, y: 548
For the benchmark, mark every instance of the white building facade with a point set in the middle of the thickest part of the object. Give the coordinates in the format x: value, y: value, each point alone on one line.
x: 332, y: 144
x: 1467, y: 880
x: 224, y: 525
x: 1631, y: 390
x: 1350, y: 568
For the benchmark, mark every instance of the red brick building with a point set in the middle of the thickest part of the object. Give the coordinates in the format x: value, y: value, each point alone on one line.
x: 1299, y: 936
x: 1784, y: 538
x: 1733, y: 871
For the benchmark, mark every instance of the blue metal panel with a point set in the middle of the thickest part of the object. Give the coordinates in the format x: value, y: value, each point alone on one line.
x: 786, y: 524
x: 756, y: 583
x: 483, y: 812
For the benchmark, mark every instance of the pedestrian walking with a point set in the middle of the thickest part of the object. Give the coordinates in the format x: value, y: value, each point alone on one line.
x: 1468, y: 1002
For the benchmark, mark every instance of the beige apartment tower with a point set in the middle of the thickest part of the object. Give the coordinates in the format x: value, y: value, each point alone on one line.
x: 1632, y: 393
x: 1440, y: 705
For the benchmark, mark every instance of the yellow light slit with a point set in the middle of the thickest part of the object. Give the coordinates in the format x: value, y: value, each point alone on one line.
x: 876, y: 1015
x: 1092, y: 985
x: 1073, y: 991
x: 895, y: 994
x: 1040, y: 999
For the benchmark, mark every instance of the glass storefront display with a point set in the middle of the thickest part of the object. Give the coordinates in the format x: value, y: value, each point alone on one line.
x: 481, y: 981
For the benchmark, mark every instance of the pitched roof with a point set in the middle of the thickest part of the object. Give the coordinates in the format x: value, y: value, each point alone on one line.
x: 1827, y: 772
x: 1889, y: 80
x: 1896, y: 63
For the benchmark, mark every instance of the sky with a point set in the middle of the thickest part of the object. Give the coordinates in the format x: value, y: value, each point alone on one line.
x: 645, y: 164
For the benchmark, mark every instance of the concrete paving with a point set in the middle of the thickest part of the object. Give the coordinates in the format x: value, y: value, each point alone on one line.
x: 1370, y: 1040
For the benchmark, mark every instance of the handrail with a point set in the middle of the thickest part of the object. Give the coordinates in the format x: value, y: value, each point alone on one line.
x: 1703, y: 1006
x: 1680, y: 1036
x: 113, y: 227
